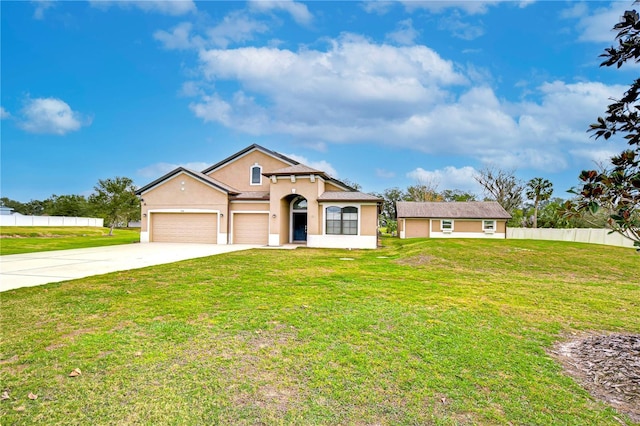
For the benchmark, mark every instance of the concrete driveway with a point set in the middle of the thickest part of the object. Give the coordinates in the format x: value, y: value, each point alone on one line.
x: 31, y: 269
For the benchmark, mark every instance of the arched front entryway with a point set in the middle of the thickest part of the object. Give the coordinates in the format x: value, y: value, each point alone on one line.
x: 298, y: 220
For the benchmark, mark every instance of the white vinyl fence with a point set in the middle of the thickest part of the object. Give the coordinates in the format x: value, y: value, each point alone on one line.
x: 578, y: 235
x: 20, y: 220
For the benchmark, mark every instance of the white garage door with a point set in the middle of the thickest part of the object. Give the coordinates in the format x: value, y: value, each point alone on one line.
x: 251, y: 228
x: 184, y: 227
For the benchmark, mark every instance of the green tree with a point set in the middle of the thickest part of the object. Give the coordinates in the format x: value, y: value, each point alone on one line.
x: 617, y: 187
x: 391, y: 196
x: 423, y: 191
x: 67, y: 205
x: 115, y: 201
x: 538, y: 190
x: 457, y: 195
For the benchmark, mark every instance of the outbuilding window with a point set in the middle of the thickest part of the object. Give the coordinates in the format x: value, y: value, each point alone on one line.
x: 256, y: 174
x: 446, y: 225
x: 342, y: 221
x: 489, y: 225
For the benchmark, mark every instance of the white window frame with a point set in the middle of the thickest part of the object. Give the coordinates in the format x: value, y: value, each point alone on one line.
x: 492, y: 229
x: 442, y: 227
x: 251, y: 174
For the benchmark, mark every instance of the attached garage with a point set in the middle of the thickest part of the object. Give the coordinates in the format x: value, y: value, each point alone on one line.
x: 184, y: 227
x: 251, y: 228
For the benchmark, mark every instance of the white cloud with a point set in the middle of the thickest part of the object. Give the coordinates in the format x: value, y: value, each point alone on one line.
x: 448, y: 178
x: 469, y: 7
x: 596, y: 156
x: 321, y: 165
x: 179, y: 38
x: 235, y: 28
x: 385, y: 174
x: 379, y: 7
x: 314, y: 93
x: 4, y: 113
x: 356, y: 91
x: 460, y: 29
x: 298, y: 11
x: 50, y: 115
x: 164, y: 7
x: 160, y: 169
x: 41, y: 7
x: 596, y: 27
x: 405, y: 34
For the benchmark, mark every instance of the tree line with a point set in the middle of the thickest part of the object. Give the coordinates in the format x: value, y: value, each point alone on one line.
x: 113, y: 200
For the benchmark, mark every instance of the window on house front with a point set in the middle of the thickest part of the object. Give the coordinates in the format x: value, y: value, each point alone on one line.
x: 256, y: 175
x: 342, y: 221
x: 446, y: 225
x: 488, y: 225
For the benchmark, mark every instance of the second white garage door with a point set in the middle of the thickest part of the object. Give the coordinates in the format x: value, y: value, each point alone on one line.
x: 184, y: 227
x: 251, y: 228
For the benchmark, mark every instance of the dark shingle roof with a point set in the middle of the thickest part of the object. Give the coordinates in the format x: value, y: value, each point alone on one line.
x: 347, y: 196
x: 453, y: 210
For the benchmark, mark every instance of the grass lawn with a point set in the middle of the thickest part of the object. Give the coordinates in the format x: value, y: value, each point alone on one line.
x: 440, y: 332
x: 26, y: 239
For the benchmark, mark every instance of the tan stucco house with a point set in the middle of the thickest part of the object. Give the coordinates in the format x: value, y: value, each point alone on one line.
x: 472, y: 219
x: 258, y: 196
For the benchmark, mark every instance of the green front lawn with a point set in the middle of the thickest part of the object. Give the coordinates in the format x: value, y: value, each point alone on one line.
x: 419, y: 332
x: 25, y: 239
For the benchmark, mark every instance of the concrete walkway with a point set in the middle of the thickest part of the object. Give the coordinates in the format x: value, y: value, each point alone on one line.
x: 32, y: 269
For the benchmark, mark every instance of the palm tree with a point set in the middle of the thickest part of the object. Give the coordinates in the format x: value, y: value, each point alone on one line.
x: 538, y: 190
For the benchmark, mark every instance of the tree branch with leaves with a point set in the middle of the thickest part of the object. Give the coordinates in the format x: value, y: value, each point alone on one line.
x: 538, y: 190
x: 617, y: 187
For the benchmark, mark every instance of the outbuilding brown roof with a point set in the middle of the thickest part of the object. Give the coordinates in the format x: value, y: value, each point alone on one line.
x: 452, y: 210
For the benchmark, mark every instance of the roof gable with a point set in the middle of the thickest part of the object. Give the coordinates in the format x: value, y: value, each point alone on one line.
x: 196, y: 175
x: 452, y: 210
x: 246, y: 151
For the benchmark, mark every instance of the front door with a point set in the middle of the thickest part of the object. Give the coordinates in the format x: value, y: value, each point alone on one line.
x: 299, y: 226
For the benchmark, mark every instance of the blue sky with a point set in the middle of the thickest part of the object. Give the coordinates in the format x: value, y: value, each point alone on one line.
x: 381, y: 93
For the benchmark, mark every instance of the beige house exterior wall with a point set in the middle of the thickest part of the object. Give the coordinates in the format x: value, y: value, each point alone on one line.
x: 183, y: 192
x: 237, y: 173
x: 462, y: 228
x: 283, y: 188
x: 416, y: 228
x: 369, y: 218
x: 331, y: 187
x: 248, y: 206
